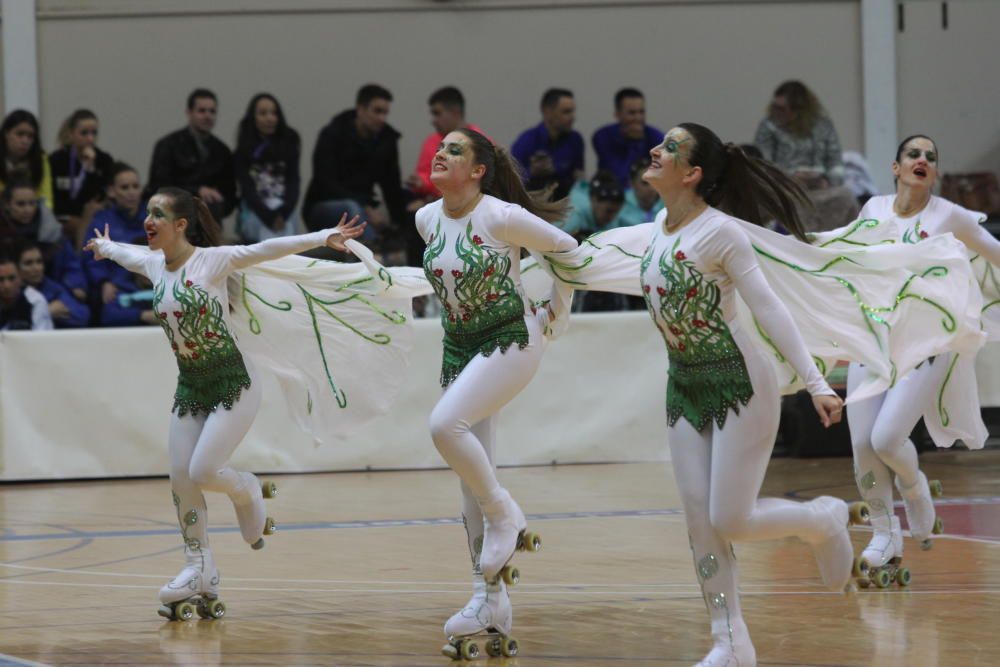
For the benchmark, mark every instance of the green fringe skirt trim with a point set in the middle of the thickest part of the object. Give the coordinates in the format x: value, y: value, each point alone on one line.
x: 706, y: 391
x: 205, y: 384
x: 462, y: 347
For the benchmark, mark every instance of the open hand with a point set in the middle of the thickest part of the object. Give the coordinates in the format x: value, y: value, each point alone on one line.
x: 347, y: 229
x: 92, y: 243
x: 829, y: 409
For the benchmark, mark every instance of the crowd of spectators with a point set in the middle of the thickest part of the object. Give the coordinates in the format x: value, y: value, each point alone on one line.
x: 50, y: 203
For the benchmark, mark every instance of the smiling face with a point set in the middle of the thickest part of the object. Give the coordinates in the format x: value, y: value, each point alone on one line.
x: 31, y: 267
x: 454, y: 163
x: 669, y: 164
x: 918, y: 164
x: 163, y: 231
x: 631, y: 116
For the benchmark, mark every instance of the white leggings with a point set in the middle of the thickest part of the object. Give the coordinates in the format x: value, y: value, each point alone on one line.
x: 200, y: 447
x: 463, y: 423
x: 880, y: 431
x: 719, y: 472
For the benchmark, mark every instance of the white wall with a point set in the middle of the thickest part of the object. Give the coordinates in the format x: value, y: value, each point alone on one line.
x: 712, y: 62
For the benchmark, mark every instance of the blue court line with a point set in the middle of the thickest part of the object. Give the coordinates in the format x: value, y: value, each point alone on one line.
x: 11, y: 661
x: 73, y: 534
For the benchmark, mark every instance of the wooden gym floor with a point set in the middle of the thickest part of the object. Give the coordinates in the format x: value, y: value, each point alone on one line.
x: 366, y: 567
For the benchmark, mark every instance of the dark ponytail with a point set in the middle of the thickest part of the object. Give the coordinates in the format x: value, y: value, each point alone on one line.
x: 745, y: 187
x: 503, y: 179
x: 202, y: 229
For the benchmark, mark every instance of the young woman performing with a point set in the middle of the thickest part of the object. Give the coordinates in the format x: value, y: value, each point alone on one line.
x: 218, y: 392
x: 942, y: 390
x: 493, y: 343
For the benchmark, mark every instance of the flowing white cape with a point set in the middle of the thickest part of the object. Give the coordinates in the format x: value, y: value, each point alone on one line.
x: 337, y: 336
x: 855, y: 295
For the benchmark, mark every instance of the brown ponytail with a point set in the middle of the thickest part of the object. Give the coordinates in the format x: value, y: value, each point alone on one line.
x: 503, y: 180
x: 202, y: 229
x: 745, y: 187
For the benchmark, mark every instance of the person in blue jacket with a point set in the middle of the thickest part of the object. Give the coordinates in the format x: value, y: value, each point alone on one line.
x: 66, y: 310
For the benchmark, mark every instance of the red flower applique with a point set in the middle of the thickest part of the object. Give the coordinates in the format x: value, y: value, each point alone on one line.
x: 488, y: 272
x: 174, y: 346
x: 692, y: 293
x: 680, y: 256
x: 675, y: 330
x: 646, y: 288
x: 477, y: 240
x: 202, y: 310
x: 466, y: 317
x: 195, y: 355
x: 492, y: 297
x: 701, y: 324
x: 189, y: 344
x: 923, y: 234
x: 438, y: 272
x: 188, y: 283
x: 209, y: 334
x: 178, y: 314
x: 456, y: 273
x: 163, y: 316
x: 661, y: 291
x: 681, y: 346
x: 451, y: 318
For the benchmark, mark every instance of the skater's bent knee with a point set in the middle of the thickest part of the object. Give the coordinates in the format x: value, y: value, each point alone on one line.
x: 203, y: 475
x: 445, y: 428
x: 730, y: 524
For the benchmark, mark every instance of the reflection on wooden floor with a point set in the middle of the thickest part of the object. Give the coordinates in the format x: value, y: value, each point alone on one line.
x: 365, y: 568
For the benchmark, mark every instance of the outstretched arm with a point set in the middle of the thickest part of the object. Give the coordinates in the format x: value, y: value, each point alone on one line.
x: 240, y: 257
x: 967, y: 228
x: 132, y: 257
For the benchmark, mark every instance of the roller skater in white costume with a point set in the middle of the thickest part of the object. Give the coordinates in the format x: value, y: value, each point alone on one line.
x: 940, y: 389
x: 217, y: 390
x: 493, y: 343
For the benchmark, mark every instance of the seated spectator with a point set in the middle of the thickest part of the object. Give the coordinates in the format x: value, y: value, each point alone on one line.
x: 132, y: 300
x: 595, y: 206
x: 80, y: 172
x: 799, y: 138
x: 267, y: 169
x: 620, y: 144
x: 642, y: 202
x: 194, y: 159
x: 65, y: 309
x: 551, y: 153
x: 124, y: 220
x: 447, y: 107
x: 21, y: 307
x: 355, y: 152
x: 21, y: 150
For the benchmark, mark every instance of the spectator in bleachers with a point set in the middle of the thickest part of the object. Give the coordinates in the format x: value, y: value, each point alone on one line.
x: 132, y: 303
x: 798, y: 136
x: 447, y: 107
x: 124, y: 220
x: 21, y: 307
x: 355, y: 152
x: 619, y: 144
x: 65, y: 309
x: 195, y: 160
x: 80, y: 173
x: 595, y: 206
x: 551, y: 153
x: 21, y: 150
x: 267, y: 169
x: 642, y: 202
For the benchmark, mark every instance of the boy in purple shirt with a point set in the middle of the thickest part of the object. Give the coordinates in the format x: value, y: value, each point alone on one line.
x: 619, y: 144
x: 552, y: 151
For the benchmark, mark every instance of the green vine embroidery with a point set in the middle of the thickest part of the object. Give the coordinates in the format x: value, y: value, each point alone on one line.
x: 708, y: 375
x: 212, y: 371
x: 942, y: 412
x: 914, y: 234
x: 845, y: 238
x: 560, y: 268
x: 315, y: 305
x: 489, y: 315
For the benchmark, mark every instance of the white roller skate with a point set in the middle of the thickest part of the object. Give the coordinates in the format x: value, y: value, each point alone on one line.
x: 503, y: 534
x: 920, y: 514
x: 194, y: 590
x: 723, y: 654
x: 881, y: 561
x: 250, y: 511
x: 487, y: 612
x: 835, y: 554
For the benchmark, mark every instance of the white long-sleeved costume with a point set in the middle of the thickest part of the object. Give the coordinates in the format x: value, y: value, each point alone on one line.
x: 728, y: 360
x: 943, y: 390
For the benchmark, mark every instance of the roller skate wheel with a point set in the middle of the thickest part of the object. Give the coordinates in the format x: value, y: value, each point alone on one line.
x: 449, y: 651
x: 212, y: 609
x: 859, y: 512
x: 882, y: 579
x: 469, y: 650
x: 938, y: 526
x: 860, y: 567
x: 532, y: 542
x: 508, y: 647
x: 166, y: 612
x: 270, y: 526
x: 269, y: 489
x: 864, y: 583
x: 936, y: 489
x: 493, y: 647
x: 184, y: 611
x: 258, y: 545
x: 903, y: 577
x: 510, y: 575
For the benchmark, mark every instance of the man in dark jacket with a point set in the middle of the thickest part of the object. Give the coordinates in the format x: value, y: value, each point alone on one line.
x: 195, y: 160
x: 356, y: 150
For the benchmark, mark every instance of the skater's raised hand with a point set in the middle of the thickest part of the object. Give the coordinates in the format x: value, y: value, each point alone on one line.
x: 829, y: 409
x: 92, y: 243
x: 346, y: 230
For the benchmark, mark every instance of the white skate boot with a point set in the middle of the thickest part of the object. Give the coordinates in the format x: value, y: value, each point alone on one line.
x: 195, y: 589
x: 881, y: 561
x: 248, y: 501
x: 488, y: 611
x: 503, y: 534
x: 732, y: 646
x: 835, y: 554
x: 724, y: 654
x: 920, y: 514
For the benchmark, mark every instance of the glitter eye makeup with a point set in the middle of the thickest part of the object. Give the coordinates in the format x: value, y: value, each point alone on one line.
x: 671, y: 146
x: 453, y: 148
x: 914, y: 153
